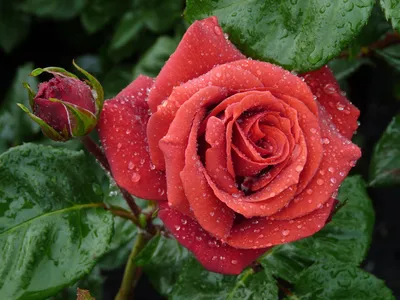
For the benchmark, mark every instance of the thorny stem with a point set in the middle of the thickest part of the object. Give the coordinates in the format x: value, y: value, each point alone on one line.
x: 389, y: 39
x: 96, y: 151
x: 132, y: 272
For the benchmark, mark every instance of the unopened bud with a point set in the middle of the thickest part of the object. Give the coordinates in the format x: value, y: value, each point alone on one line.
x: 65, y: 107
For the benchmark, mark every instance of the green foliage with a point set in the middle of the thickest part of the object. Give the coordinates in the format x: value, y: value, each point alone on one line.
x: 15, y: 125
x: 14, y: 25
x: 299, y: 35
x: 197, y: 283
x: 162, y: 260
x: 385, y: 163
x: 339, y: 281
x: 152, y: 61
x: 391, y: 55
x: 392, y: 12
x: 52, y: 221
x: 58, y: 10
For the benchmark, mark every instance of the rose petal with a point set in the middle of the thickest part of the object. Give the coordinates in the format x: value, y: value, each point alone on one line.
x: 122, y: 130
x: 277, y: 80
x: 202, y: 47
x: 262, y: 232
x: 339, y: 157
x: 212, y: 214
x: 210, y: 252
x: 174, y: 143
x: 216, y: 164
x: 325, y: 87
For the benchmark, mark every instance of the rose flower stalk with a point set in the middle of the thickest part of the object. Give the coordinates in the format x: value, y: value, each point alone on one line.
x: 241, y: 154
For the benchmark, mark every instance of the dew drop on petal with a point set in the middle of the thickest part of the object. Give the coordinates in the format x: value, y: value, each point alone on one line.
x: 329, y: 89
x: 135, y: 177
x: 320, y: 182
x: 285, y: 232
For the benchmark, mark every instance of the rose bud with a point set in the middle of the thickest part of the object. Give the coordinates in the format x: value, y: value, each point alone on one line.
x: 65, y: 107
x: 241, y: 154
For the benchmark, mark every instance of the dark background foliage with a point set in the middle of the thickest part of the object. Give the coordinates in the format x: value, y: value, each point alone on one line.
x: 117, y: 40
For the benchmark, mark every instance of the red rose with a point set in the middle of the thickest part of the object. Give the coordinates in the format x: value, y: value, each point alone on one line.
x: 246, y: 154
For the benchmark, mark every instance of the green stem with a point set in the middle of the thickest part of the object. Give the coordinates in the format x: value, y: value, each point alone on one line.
x: 130, y: 279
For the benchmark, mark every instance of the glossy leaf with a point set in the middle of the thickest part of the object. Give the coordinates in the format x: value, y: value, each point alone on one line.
x: 92, y: 282
x: 127, y: 30
x: 15, y: 125
x: 392, y: 12
x: 57, y: 10
x: 391, y: 55
x: 346, y: 238
x: 299, y: 35
x: 339, y: 281
x: 51, y: 221
x: 124, y: 230
x: 197, y: 283
x: 14, y: 25
x: 385, y: 163
x: 154, y: 59
x: 162, y: 260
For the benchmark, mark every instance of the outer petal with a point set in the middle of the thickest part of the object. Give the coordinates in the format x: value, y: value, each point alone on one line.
x: 325, y: 87
x: 211, y: 253
x: 202, y: 47
x: 122, y: 130
x: 261, y: 232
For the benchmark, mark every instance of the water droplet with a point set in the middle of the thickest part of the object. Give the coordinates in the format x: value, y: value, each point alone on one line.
x: 330, y: 169
x: 299, y: 168
x: 177, y: 227
x: 135, y: 177
x: 234, y: 262
x: 330, y: 89
x: 217, y: 30
x: 313, y: 130
x: 131, y: 165
x: 309, y: 191
x: 285, y: 232
x: 320, y: 182
x: 333, y: 180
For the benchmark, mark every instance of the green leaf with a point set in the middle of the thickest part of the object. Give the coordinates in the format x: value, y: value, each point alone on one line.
x: 100, y: 12
x: 346, y: 238
x: 15, y: 125
x: 343, y: 68
x: 299, y: 35
x: 124, y: 231
x: 197, y: 283
x: 392, y: 12
x: 92, y: 282
x: 51, y: 221
x: 160, y: 16
x: 385, y: 162
x: 14, y: 25
x: 339, y: 281
x: 375, y: 29
x: 162, y: 260
x: 127, y: 30
x: 57, y: 10
x: 154, y: 59
x: 391, y: 55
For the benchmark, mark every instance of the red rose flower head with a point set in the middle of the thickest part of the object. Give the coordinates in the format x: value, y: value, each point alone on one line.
x: 64, y: 107
x: 242, y: 154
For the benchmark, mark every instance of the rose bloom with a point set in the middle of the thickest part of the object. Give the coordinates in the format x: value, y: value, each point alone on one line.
x: 242, y: 154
